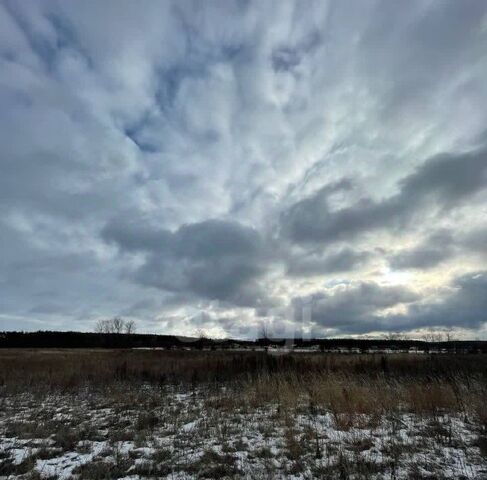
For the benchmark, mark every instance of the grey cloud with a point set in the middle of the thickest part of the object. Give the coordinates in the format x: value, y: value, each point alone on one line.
x: 476, y: 241
x: 428, y: 254
x: 465, y: 306
x: 344, y: 260
x: 353, y: 306
x: 439, y: 247
x: 441, y: 182
x: 131, y: 234
x: 446, y: 179
x: 215, y: 259
x: 421, y: 257
x: 355, y: 309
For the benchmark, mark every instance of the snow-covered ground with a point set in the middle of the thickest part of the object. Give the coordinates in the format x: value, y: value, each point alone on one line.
x: 159, y: 433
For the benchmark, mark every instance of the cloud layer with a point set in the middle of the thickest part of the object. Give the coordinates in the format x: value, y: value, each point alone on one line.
x: 318, y: 166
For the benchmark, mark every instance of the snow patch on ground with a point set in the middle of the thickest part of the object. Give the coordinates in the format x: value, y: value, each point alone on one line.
x: 180, y: 435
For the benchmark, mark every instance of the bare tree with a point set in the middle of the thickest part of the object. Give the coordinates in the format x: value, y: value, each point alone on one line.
x: 450, y: 335
x: 434, y: 336
x: 394, y: 336
x: 264, y: 331
x: 115, y: 325
x: 129, y: 326
x: 102, y: 326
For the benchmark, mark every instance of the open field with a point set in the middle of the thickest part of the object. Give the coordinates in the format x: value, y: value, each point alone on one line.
x: 100, y: 414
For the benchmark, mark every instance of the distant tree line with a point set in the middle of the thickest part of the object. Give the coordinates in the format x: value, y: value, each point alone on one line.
x: 113, y: 339
x: 47, y: 339
x: 365, y: 345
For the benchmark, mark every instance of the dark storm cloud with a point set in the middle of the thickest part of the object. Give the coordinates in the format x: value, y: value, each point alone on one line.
x: 353, y: 307
x: 465, y: 306
x: 215, y: 259
x: 440, y: 183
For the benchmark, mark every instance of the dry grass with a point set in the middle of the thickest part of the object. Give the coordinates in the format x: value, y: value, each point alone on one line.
x: 346, y: 385
x: 69, y: 369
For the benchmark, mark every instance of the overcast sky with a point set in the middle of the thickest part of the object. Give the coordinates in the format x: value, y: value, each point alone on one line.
x: 317, y: 166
